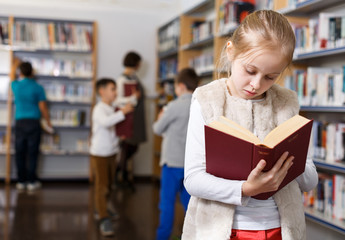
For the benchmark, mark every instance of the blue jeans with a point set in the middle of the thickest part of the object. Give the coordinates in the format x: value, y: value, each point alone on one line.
x: 27, y: 143
x: 171, y: 185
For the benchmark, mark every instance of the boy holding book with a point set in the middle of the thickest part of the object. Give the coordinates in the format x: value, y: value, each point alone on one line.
x: 30, y: 101
x: 104, y: 147
x: 172, y: 125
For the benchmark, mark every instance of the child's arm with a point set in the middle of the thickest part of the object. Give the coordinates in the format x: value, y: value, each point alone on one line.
x: 308, y: 180
x: 197, y: 181
x: 166, y: 117
x: 105, y: 120
x: 45, y: 112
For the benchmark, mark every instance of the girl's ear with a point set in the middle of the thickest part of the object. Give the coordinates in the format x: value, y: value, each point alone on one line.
x: 229, y: 50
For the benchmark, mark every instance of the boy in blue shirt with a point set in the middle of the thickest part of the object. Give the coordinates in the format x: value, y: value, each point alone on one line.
x: 172, y: 125
x: 30, y: 101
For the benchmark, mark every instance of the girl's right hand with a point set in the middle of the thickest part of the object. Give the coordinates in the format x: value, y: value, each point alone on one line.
x: 261, y: 182
x: 127, y: 108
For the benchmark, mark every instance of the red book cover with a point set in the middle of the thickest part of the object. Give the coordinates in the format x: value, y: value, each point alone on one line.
x: 124, y: 129
x: 232, y: 158
x: 129, y: 88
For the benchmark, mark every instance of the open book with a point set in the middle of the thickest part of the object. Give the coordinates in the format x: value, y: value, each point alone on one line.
x: 232, y: 151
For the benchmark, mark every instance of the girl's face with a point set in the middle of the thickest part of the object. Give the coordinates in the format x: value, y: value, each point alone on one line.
x: 252, y: 76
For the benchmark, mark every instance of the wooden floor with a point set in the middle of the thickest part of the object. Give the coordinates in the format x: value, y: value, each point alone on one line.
x: 64, y: 211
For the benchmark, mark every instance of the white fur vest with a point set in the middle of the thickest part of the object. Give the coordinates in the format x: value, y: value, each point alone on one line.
x: 211, y: 220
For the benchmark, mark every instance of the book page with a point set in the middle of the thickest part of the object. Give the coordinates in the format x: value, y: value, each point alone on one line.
x: 227, y: 126
x: 284, y: 130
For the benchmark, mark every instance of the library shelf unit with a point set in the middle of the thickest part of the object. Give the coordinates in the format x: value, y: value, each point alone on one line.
x: 64, y: 56
x: 200, y: 51
x: 323, y: 57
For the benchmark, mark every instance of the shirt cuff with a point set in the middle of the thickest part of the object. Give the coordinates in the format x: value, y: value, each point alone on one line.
x: 244, y: 199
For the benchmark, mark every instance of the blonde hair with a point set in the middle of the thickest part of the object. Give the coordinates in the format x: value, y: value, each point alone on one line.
x: 263, y: 29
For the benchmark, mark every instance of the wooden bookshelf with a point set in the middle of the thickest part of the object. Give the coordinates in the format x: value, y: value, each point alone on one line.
x: 82, y: 47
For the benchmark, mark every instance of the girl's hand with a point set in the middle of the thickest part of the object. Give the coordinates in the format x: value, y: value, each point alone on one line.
x: 261, y: 182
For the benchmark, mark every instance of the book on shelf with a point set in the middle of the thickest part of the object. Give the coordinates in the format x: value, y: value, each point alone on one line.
x: 318, y: 86
x: 328, y: 142
x: 202, y: 63
x: 67, y: 118
x: 231, y: 13
x: 232, y: 151
x: 61, y: 67
x: 328, y: 197
x: 168, y: 37
x: 48, y: 35
x: 326, y: 31
x: 4, y: 84
x: 4, y: 32
x: 168, y: 68
x: 124, y: 129
x: 60, y: 91
x: 202, y: 30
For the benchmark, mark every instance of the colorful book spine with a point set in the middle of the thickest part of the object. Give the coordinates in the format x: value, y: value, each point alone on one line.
x: 68, y: 118
x: 52, y: 35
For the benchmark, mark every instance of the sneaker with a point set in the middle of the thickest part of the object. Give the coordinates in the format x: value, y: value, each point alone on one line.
x: 34, y: 186
x: 106, y: 227
x: 20, y: 186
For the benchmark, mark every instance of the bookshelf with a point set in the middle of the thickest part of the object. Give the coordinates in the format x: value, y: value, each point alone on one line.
x: 321, y: 63
x: 64, y: 56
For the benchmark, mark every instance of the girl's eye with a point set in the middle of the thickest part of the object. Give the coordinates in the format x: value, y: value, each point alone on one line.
x: 269, y: 78
x: 250, y: 72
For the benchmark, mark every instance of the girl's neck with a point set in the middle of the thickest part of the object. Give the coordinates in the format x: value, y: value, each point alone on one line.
x: 129, y: 71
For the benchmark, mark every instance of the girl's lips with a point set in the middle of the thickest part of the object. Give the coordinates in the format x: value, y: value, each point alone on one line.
x: 250, y: 93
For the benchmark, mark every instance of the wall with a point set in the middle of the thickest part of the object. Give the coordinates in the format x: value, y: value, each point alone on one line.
x: 123, y: 25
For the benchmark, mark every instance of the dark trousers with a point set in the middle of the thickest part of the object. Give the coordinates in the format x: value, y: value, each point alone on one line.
x: 127, y: 151
x: 27, y: 142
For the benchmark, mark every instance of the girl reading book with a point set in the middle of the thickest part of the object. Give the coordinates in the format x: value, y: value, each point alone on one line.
x: 255, y: 56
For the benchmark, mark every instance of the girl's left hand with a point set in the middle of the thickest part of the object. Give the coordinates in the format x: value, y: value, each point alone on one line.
x: 261, y: 182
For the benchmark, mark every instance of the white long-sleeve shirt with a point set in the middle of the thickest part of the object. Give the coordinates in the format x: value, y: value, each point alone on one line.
x: 204, y: 185
x: 104, y: 141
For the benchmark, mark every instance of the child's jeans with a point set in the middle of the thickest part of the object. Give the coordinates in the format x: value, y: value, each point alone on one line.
x: 171, y: 185
x: 27, y: 142
x: 104, y: 170
x: 270, y: 234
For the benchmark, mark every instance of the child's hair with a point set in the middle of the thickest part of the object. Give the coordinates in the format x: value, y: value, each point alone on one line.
x: 103, y: 82
x: 263, y: 29
x: 188, y: 77
x: 132, y: 59
x: 26, y: 69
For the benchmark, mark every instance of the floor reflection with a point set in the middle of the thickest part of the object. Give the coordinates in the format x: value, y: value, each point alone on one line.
x: 65, y: 211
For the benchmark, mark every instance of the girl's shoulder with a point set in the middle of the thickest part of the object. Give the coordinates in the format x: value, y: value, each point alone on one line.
x: 284, y: 98
x: 212, y: 89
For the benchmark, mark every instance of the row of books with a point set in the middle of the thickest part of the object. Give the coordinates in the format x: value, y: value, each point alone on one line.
x: 202, y: 63
x: 68, y: 118
x: 61, y: 67
x: 325, y: 31
x: 70, y: 92
x: 3, y: 115
x: 50, y: 143
x: 317, y: 86
x: 168, y: 68
x: 231, y: 13
x: 328, y: 141
x: 328, y: 197
x: 4, y: 36
x: 4, y: 84
x: 168, y: 37
x: 52, y: 35
x: 202, y: 30
x: 3, y: 141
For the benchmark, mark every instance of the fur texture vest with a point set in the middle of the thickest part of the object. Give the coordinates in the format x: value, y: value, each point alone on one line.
x: 211, y: 220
